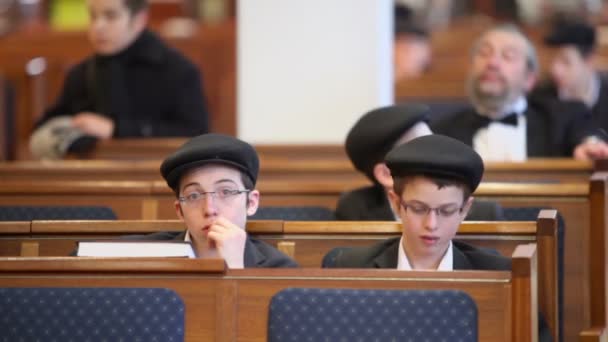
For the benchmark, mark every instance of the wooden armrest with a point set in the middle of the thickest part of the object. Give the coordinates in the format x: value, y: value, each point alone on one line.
x: 594, y: 334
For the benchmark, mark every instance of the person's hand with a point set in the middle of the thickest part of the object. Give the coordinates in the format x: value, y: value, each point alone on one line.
x: 229, y: 240
x: 591, y: 149
x: 94, y: 124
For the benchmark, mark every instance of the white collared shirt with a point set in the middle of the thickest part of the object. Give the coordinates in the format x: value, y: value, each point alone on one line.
x: 502, y: 142
x: 446, y: 264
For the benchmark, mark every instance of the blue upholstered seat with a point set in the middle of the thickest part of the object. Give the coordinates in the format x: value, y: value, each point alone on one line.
x: 29, y: 213
x: 91, y: 314
x: 300, y: 314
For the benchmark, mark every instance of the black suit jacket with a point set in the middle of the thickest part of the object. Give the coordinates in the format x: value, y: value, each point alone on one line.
x: 599, y: 111
x: 371, y: 204
x: 553, y: 129
x: 257, y: 253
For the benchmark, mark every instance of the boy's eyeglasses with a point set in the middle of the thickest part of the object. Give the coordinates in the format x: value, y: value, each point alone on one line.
x: 196, y: 198
x: 422, y: 210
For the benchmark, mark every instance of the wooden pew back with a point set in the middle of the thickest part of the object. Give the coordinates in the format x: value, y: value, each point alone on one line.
x: 311, y: 240
x: 598, y: 262
x: 232, y: 306
x: 155, y: 200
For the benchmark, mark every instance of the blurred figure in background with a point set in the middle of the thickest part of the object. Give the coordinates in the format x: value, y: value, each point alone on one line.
x: 573, y: 75
x: 503, y: 123
x: 412, y: 46
x: 133, y: 86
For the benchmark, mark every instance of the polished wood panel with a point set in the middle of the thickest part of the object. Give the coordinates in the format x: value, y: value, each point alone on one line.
x: 598, y: 262
x: 215, y: 300
x: 310, y: 241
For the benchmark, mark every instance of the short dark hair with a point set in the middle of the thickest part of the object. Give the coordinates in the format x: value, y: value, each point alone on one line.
x: 399, y: 183
x: 247, y: 183
x: 136, y: 6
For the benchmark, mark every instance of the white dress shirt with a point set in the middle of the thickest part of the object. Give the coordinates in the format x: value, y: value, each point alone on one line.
x: 446, y: 264
x: 502, y: 142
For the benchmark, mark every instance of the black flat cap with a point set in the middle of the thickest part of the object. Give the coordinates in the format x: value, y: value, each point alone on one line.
x: 437, y: 155
x: 370, y: 139
x: 572, y: 32
x: 210, y: 148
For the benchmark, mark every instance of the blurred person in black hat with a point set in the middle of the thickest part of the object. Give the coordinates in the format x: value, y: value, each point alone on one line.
x: 412, y: 47
x: 213, y: 177
x: 504, y: 124
x: 367, y: 143
x: 573, y: 76
x: 433, y: 179
x: 133, y: 86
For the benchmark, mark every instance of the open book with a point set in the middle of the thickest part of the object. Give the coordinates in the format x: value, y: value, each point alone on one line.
x: 176, y: 249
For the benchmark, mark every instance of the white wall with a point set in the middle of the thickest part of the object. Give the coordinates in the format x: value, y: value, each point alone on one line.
x: 307, y: 69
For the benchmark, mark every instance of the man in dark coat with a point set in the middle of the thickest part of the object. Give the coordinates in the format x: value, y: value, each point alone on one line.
x: 213, y: 177
x: 134, y: 85
x: 368, y: 142
x: 573, y: 75
x: 505, y: 126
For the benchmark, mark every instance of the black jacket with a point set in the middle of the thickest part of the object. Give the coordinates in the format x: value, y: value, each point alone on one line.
x: 553, y: 129
x: 599, y: 111
x: 371, y: 204
x: 257, y: 253
x: 148, y: 90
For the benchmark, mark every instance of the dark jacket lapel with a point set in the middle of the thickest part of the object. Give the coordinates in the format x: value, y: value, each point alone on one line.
x: 389, y: 256
x: 252, y: 256
x: 461, y: 262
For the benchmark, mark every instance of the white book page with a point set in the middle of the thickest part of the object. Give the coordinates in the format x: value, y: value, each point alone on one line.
x: 136, y: 249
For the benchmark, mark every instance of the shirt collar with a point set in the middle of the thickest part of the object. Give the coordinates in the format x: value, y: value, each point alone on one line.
x: 446, y: 264
x: 596, y: 84
x: 518, y: 106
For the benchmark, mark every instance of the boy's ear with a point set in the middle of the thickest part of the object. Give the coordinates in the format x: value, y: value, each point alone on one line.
x: 178, y: 209
x: 253, y: 201
x: 383, y: 175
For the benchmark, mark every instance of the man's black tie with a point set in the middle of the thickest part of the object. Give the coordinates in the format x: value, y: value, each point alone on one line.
x: 510, y: 119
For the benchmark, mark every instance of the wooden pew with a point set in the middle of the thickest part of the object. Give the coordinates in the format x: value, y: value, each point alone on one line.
x: 572, y: 200
x: 232, y: 305
x: 12, y: 237
x: 277, y: 167
x: 128, y: 199
x: 312, y: 240
x: 597, y: 236
x: 60, y: 238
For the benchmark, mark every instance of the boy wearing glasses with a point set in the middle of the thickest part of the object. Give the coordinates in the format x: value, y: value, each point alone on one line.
x: 213, y: 177
x: 368, y: 141
x: 434, y: 177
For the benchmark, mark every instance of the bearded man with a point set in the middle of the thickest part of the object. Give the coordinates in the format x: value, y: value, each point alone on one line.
x: 504, y: 125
